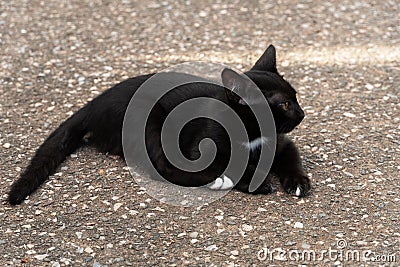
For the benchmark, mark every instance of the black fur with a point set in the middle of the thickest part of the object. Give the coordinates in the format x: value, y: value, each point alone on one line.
x: 99, y: 124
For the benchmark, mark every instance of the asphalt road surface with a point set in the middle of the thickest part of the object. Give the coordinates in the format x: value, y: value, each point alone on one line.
x: 341, y: 56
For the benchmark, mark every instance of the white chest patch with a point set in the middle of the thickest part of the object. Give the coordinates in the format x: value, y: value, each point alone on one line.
x: 256, y: 143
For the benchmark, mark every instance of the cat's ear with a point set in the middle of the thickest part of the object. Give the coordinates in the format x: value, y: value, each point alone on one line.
x: 237, y: 84
x: 233, y: 82
x: 267, y: 62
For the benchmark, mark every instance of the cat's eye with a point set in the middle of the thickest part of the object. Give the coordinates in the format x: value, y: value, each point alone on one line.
x: 285, y: 105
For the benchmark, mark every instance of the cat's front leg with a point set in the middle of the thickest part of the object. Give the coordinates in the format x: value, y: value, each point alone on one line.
x: 287, y: 165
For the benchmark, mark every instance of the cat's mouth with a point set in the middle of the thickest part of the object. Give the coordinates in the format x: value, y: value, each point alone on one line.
x: 289, y: 125
x: 286, y: 128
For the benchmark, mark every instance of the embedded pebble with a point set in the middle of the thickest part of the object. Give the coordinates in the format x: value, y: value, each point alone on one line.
x: 219, y: 230
x: 193, y: 234
x: 117, y: 206
x: 298, y: 225
x: 211, y: 248
x: 181, y: 234
x: 349, y: 115
x: 40, y: 257
x: 88, y: 250
x: 219, y: 217
x: 7, y: 145
x: 247, y: 227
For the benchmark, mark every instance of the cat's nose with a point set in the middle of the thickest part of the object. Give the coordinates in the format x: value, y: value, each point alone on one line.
x: 300, y: 115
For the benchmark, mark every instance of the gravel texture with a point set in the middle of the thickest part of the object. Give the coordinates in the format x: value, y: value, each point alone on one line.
x: 343, y: 58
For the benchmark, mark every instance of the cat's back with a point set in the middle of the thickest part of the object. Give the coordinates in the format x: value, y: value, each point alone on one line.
x: 191, y: 91
x: 174, y: 89
x: 125, y: 89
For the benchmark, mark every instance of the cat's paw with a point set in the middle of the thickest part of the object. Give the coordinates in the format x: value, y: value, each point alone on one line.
x: 299, y: 186
x: 222, y: 183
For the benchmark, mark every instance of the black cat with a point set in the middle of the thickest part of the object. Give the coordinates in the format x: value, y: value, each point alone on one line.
x: 100, y: 122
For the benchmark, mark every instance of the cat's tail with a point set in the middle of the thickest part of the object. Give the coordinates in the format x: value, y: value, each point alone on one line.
x: 61, y: 143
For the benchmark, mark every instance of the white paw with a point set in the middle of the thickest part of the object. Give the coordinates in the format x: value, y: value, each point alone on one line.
x: 298, y: 191
x: 222, y: 183
x: 228, y: 184
x: 217, y: 184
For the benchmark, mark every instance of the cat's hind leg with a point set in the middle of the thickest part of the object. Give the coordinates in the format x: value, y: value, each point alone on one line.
x: 222, y: 183
x: 163, y: 168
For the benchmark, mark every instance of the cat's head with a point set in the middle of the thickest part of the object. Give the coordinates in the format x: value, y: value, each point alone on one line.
x: 280, y: 95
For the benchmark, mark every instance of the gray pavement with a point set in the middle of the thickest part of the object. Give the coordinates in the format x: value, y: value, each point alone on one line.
x: 343, y: 58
